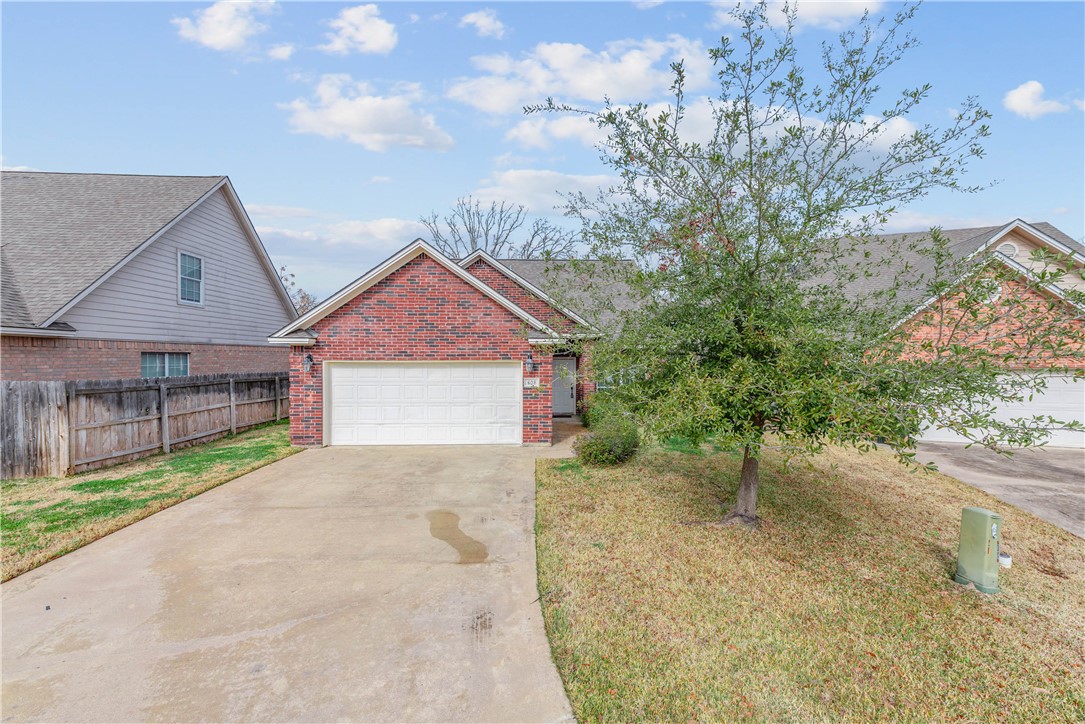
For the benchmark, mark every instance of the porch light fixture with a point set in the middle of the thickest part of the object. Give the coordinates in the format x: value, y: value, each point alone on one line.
x: 529, y: 363
x: 307, y: 363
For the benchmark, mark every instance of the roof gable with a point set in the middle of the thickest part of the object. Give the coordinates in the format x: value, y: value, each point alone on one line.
x: 526, y: 294
x: 64, y: 234
x: 295, y: 332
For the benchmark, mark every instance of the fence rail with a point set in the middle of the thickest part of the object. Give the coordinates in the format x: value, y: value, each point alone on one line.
x: 54, y: 428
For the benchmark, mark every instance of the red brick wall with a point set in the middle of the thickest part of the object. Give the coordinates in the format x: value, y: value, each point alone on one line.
x: 585, y: 380
x: 499, y: 282
x: 419, y: 312
x: 52, y: 358
x: 934, y: 328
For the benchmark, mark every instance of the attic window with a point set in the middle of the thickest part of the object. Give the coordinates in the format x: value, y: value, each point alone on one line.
x: 190, y: 269
x: 1008, y: 249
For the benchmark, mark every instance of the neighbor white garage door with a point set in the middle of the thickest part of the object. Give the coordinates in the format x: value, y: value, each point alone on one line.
x: 1063, y: 399
x: 440, y: 403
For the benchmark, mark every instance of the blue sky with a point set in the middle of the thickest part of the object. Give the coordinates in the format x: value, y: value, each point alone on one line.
x: 341, y: 124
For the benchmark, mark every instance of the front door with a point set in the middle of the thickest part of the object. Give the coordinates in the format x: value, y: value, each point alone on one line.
x: 564, y: 385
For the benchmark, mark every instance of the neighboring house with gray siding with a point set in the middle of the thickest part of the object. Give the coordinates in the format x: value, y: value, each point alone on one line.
x: 115, y: 276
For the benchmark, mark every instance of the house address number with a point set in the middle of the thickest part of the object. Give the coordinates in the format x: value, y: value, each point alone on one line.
x: 531, y: 382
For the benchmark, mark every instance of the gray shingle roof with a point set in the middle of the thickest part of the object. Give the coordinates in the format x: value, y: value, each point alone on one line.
x: 896, y: 252
x: 579, y: 286
x: 59, y: 232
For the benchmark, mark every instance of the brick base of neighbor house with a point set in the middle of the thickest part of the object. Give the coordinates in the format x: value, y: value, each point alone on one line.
x: 50, y: 358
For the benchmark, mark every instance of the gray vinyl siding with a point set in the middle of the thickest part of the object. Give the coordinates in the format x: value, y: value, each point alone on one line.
x: 140, y: 301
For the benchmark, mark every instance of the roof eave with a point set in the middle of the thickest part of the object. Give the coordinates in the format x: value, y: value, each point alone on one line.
x: 35, y: 332
x: 489, y: 259
x: 390, y: 265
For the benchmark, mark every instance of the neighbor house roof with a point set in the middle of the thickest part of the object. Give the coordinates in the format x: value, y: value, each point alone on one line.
x: 900, y: 258
x: 60, y: 233
x: 580, y: 285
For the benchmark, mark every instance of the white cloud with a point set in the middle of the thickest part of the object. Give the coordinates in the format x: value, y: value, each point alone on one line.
x: 823, y: 14
x: 386, y: 233
x: 647, y: 4
x: 379, y: 234
x: 4, y: 166
x: 890, y: 132
x: 538, y: 190
x: 906, y: 220
x: 698, y: 125
x: 1027, y: 100
x: 485, y: 23
x: 380, y: 179
x: 623, y: 70
x: 538, y: 132
x: 1080, y: 104
x: 225, y: 25
x: 360, y: 29
x: 274, y: 211
x: 344, y: 108
x: 282, y: 51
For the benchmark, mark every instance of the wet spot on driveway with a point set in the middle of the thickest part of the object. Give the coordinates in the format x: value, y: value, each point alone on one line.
x: 445, y: 525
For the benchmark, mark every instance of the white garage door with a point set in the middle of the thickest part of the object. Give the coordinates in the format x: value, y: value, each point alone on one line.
x: 440, y: 403
x: 1063, y: 399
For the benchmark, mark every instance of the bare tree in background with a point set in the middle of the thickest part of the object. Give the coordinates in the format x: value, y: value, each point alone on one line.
x: 303, y: 300
x: 501, y: 229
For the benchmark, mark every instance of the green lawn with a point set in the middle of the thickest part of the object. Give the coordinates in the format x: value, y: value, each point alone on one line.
x: 42, y: 518
x: 840, y: 607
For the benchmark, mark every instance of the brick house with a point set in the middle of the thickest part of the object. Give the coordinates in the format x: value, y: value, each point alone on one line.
x: 424, y: 349
x: 937, y: 322
x: 116, y: 276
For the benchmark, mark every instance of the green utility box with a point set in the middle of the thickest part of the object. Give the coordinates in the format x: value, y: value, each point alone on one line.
x: 977, y: 558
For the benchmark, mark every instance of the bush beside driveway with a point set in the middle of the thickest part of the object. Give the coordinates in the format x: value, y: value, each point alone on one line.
x: 840, y: 608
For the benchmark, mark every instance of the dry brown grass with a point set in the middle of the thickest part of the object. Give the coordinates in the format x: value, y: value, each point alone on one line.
x: 43, y: 518
x: 841, y: 607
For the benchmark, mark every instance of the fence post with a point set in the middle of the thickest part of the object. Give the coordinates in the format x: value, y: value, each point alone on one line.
x: 164, y: 413
x: 233, y: 409
x: 278, y: 396
x: 72, y: 434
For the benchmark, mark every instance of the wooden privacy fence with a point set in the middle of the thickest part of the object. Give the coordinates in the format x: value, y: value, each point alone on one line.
x: 54, y: 428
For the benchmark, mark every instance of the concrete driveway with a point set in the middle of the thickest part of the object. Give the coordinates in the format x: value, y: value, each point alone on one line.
x: 1047, y: 482
x: 342, y: 584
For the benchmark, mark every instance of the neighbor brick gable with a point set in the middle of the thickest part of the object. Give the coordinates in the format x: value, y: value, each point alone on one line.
x: 510, y: 289
x: 420, y: 312
x: 1004, y: 336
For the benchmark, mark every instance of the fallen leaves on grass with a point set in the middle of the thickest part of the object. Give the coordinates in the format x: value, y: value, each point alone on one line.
x: 841, y: 607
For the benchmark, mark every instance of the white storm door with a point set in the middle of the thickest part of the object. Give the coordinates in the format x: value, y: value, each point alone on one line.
x: 564, y: 387
x: 434, y: 403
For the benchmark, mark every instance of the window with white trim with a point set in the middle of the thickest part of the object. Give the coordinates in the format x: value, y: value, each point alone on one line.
x: 163, y: 364
x: 1008, y: 249
x: 190, y: 278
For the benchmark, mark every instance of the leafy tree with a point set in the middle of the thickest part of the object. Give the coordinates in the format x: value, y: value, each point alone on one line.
x: 771, y: 312
x: 303, y: 300
x: 498, y: 229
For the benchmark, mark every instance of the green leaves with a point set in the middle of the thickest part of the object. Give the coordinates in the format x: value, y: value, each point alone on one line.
x: 770, y: 309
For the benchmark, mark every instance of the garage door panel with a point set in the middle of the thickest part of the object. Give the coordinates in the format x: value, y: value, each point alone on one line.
x: 1062, y: 399
x: 434, y: 403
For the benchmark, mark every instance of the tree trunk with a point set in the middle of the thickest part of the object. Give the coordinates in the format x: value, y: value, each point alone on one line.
x: 745, y: 510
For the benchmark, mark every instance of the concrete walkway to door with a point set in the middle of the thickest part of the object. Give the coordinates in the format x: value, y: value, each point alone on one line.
x: 342, y: 584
